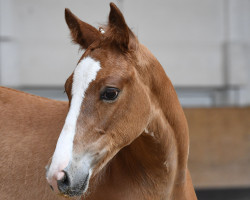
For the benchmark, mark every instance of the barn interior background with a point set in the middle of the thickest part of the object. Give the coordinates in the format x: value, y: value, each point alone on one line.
x: 204, y: 47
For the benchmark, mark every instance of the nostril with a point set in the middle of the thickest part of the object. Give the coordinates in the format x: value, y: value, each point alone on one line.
x: 64, y: 183
x: 65, y: 180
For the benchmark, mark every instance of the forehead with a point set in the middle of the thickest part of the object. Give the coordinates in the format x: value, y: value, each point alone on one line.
x: 111, y: 59
x: 105, y: 67
x: 113, y: 62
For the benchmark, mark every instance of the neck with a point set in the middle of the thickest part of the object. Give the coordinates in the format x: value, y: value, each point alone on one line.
x: 150, y: 161
x: 165, y: 102
x: 162, y: 153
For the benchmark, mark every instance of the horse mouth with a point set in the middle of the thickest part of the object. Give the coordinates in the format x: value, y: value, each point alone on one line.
x: 78, y: 189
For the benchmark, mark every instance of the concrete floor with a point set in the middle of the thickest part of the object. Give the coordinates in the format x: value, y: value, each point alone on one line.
x: 223, y: 194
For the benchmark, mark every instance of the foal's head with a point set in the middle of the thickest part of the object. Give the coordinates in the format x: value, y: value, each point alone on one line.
x: 109, y: 104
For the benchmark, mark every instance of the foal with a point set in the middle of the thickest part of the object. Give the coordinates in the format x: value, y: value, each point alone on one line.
x: 125, y: 135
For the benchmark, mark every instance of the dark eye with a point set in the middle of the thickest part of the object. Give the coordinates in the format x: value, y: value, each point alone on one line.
x: 110, y: 94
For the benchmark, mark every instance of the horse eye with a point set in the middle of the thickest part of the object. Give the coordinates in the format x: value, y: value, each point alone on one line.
x: 110, y: 94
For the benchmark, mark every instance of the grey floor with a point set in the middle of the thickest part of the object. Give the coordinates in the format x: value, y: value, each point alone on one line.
x: 223, y: 194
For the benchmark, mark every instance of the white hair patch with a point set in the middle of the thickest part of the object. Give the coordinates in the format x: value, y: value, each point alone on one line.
x: 84, y: 74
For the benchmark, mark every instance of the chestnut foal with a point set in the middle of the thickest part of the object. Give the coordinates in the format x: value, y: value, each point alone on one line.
x: 125, y: 135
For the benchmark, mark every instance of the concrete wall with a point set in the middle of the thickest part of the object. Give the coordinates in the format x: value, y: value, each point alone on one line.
x: 202, y: 45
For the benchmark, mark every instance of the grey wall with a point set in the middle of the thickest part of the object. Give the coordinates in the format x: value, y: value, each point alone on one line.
x: 204, y: 46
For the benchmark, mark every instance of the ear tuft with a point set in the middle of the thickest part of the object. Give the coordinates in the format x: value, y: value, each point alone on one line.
x: 68, y: 17
x: 118, y: 26
x: 116, y: 18
x: 81, y: 32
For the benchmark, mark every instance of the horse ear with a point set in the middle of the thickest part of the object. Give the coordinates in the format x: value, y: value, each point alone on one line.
x: 121, y: 32
x: 81, y: 32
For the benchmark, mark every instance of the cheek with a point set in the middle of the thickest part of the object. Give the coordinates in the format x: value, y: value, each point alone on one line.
x: 139, y: 115
x: 140, y: 112
x: 119, y: 122
x: 140, y: 106
x: 133, y: 119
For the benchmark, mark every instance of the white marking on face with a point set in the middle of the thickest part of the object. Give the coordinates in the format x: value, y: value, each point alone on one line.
x: 84, y: 74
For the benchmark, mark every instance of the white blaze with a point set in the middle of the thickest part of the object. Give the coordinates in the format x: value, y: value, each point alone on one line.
x: 84, y: 74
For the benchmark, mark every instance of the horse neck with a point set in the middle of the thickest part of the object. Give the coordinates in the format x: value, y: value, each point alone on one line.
x: 163, y: 148
x: 167, y: 105
x: 149, y: 162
